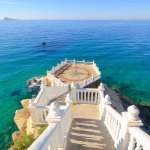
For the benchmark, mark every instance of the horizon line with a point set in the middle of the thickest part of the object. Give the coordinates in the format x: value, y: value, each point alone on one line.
x: 16, y: 19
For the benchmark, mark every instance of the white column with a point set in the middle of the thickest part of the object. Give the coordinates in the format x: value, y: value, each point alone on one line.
x: 73, y: 91
x: 101, y: 98
x: 54, y: 116
x: 68, y: 99
x: 92, y: 97
x: 130, y: 119
x: 33, y: 111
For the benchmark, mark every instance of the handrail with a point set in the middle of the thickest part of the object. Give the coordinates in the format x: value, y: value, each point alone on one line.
x: 141, y: 137
x: 41, y: 141
x: 114, y: 113
x: 55, y: 135
x: 89, y: 81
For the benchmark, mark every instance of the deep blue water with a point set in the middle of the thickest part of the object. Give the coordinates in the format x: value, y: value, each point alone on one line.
x: 121, y: 49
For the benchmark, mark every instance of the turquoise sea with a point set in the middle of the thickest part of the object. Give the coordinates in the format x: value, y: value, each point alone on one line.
x: 121, y: 49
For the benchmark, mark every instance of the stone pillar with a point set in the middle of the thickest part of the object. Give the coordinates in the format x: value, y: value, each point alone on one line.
x: 105, y: 101
x: 73, y: 91
x: 54, y: 116
x: 101, y: 99
x: 68, y: 100
x: 33, y: 111
x: 101, y: 93
x: 130, y: 119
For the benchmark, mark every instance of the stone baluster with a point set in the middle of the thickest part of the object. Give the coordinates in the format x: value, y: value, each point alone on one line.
x: 138, y: 146
x: 68, y: 99
x: 130, y: 119
x: 132, y: 143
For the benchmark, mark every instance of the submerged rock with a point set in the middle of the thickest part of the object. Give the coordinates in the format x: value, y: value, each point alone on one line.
x: 16, y: 93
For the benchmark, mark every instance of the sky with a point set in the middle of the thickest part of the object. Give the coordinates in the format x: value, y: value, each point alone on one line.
x: 76, y: 9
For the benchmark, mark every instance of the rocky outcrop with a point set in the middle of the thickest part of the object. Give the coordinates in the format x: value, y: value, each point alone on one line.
x: 22, y: 115
x: 23, y: 121
x: 34, y: 83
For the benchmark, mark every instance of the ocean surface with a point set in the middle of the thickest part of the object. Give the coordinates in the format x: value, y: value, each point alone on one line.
x: 121, y: 49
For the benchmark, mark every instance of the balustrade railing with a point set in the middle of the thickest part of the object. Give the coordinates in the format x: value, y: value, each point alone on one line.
x: 89, y: 81
x: 113, y: 121
x: 55, y: 136
x: 79, y: 62
x: 49, y: 93
x: 38, y: 113
x: 55, y: 80
x: 54, y: 69
x: 86, y: 96
x: 139, y: 140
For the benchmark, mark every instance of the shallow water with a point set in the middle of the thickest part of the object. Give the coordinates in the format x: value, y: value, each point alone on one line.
x: 121, y: 49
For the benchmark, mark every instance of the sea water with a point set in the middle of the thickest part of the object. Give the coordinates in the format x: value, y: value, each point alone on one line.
x: 121, y: 50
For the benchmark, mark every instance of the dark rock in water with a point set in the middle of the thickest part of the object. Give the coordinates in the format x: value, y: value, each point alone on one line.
x: 43, y: 43
x: 34, y: 83
x: 16, y: 93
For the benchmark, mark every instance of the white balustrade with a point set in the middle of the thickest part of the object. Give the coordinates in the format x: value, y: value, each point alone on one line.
x: 139, y: 140
x: 112, y: 119
x: 55, y: 136
x: 38, y: 113
x: 49, y: 93
x: 89, y: 81
x: 87, y: 95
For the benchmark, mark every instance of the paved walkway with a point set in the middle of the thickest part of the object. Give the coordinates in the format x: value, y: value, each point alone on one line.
x: 87, y: 132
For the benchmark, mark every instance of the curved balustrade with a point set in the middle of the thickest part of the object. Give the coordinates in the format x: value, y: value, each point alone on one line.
x: 139, y: 140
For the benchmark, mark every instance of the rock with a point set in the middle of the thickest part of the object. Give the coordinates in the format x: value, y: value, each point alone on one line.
x: 32, y: 130
x: 25, y: 104
x: 15, y: 135
x: 34, y: 83
x: 22, y: 115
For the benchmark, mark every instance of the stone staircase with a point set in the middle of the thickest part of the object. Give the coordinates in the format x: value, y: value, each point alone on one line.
x: 87, y: 132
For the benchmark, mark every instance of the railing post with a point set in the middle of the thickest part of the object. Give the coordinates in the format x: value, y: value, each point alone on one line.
x: 101, y: 98
x: 68, y: 100
x: 130, y: 119
x: 73, y: 91
x: 54, y: 116
x: 33, y: 111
